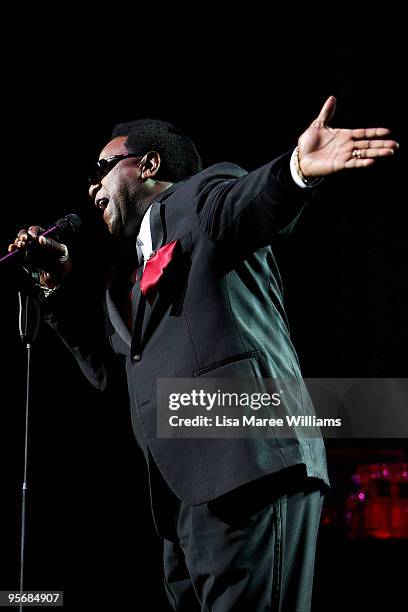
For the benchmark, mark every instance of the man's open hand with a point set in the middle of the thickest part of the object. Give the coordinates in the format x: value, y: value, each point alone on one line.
x: 324, y: 150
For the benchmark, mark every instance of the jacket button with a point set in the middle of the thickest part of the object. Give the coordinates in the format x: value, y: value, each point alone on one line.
x: 136, y: 357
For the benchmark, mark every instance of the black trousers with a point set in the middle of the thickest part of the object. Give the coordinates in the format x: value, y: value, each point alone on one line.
x: 251, y: 550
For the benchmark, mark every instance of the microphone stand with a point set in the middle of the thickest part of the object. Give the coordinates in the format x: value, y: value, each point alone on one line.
x: 29, y: 321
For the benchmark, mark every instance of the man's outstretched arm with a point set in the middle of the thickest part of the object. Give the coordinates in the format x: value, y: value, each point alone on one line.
x: 250, y: 210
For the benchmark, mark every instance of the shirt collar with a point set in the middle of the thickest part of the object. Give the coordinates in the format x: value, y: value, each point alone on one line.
x: 144, y: 239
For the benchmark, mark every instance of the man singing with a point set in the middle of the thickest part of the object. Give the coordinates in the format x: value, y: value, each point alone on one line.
x: 195, y: 292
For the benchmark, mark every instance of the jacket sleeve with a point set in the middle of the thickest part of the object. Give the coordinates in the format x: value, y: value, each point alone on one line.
x: 78, y: 320
x: 250, y: 209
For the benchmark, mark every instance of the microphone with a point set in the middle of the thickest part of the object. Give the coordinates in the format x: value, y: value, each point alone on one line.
x: 64, y: 228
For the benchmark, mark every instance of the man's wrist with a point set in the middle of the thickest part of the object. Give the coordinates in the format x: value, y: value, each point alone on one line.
x: 47, y: 291
x: 297, y: 174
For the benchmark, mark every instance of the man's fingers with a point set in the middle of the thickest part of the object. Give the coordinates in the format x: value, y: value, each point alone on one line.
x: 54, y: 246
x: 370, y: 132
x: 372, y: 153
x: 20, y: 241
x: 359, y: 163
x: 35, y: 230
x: 24, y: 237
x: 376, y: 144
x: 360, y: 158
x: 328, y: 110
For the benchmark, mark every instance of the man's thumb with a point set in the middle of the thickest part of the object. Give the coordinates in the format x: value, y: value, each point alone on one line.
x: 328, y: 110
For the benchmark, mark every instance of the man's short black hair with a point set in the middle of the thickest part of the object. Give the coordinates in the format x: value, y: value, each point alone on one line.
x: 179, y: 156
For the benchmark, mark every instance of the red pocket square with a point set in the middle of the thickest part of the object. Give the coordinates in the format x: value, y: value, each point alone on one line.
x: 154, y: 269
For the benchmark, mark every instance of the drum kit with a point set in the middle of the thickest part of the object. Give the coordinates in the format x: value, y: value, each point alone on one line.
x: 377, y: 505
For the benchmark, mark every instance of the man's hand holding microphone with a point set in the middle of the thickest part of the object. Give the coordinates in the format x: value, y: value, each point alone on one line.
x: 50, y: 256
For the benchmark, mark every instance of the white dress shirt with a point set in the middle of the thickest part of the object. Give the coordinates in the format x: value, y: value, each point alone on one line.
x: 144, y: 239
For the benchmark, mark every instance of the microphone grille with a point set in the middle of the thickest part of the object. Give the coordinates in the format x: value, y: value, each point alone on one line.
x: 71, y: 222
x: 74, y: 221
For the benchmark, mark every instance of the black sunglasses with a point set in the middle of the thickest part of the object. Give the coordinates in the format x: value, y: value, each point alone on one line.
x: 103, y: 166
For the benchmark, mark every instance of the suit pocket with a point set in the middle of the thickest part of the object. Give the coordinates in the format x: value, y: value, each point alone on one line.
x: 237, y: 366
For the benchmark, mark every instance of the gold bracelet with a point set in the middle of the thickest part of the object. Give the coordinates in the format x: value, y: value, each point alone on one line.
x: 46, y: 291
x: 306, y: 180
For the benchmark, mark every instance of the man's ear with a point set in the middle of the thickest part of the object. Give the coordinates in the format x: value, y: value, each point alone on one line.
x: 150, y: 165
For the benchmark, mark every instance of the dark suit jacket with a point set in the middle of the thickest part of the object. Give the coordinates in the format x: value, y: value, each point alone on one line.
x: 218, y: 313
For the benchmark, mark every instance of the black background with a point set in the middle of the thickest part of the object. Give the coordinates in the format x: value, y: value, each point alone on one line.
x: 244, y: 87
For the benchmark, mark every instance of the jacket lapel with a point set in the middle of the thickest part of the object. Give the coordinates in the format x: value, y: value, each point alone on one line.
x: 117, y: 320
x: 157, y: 225
x: 141, y: 309
x: 119, y: 287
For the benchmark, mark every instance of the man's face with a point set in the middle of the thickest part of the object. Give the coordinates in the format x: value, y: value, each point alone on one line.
x: 119, y: 194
